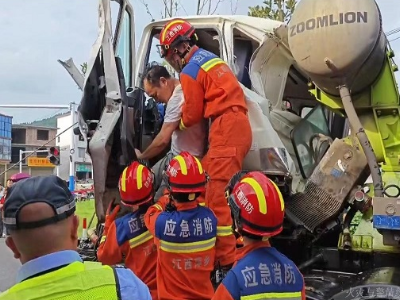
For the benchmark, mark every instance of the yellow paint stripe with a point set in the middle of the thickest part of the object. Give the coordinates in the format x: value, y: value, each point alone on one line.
x: 279, y: 195
x: 262, y: 203
x: 182, y: 164
x: 199, y: 165
x: 139, y: 177
x: 168, y: 27
x: 123, y: 180
x: 212, y: 63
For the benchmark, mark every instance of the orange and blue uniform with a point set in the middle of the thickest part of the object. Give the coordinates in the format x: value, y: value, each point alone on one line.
x: 127, y: 237
x: 185, y: 240
x: 212, y: 91
x: 262, y: 272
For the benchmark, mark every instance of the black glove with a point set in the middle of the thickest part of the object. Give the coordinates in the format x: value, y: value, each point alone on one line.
x: 219, y: 274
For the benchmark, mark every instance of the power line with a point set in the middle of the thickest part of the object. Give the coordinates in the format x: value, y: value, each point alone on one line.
x: 393, y: 31
x: 34, y: 151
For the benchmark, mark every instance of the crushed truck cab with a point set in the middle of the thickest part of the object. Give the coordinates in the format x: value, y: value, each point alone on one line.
x: 324, y: 110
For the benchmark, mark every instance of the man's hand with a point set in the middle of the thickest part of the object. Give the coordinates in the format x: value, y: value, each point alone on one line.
x: 138, y: 153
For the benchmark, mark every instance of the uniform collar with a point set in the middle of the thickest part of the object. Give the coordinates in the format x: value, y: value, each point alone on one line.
x: 240, y: 253
x: 47, y: 262
x: 186, y: 205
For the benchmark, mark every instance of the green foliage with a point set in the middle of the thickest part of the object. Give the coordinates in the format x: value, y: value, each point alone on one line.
x: 279, y: 10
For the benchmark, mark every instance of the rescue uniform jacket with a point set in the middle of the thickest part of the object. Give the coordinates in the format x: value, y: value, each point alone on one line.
x: 262, y: 272
x: 209, y: 87
x: 63, y: 275
x: 128, y: 237
x: 185, y: 239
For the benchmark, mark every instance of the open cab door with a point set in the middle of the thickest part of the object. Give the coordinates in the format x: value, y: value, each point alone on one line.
x: 108, y: 104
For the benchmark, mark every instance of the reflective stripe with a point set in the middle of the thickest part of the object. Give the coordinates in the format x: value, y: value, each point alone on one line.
x: 212, y: 63
x: 168, y: 27
x: 139, y: 177
x: 202, y: 203
x: 187, y: 247
x: 181, y: 125
x: 182, y: 164
x: 158, y: 206
x: 198, y: 165
x: 224, y: 230
x: 262, y: 202
x: 123, y: 180
x: 103, y: 239
x: 279, y: 194
x: 140, y: 239
x: 273, y: 296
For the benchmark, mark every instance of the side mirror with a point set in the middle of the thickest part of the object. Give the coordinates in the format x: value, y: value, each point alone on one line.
x: 305, y: 136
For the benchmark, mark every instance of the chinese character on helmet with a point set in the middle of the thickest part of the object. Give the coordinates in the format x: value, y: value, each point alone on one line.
x: 136, y: 185
x: 174, y: 33
x: 257, y: 205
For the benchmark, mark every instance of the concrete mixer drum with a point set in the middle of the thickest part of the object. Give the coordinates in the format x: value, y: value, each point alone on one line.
x: 338, y: 42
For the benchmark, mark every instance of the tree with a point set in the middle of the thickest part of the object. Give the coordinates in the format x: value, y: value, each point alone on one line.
x: 279, y: 10
x: 172, y: 8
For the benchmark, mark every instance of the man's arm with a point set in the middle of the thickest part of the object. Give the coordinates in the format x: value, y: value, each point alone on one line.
x: 193, y: 107
x: 228, y: 289
x: 109, y: 252
x: 160, y: 141
x: 153, y: 212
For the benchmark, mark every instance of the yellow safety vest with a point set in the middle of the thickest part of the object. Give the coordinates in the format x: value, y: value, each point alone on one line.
x: 77, y: 281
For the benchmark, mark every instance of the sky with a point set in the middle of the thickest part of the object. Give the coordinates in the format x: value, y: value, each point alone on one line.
x: 39, y: 32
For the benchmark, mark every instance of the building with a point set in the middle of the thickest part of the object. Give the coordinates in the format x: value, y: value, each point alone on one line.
x: 82, y: 161
x: 32, y: 138
x: 5, y: 144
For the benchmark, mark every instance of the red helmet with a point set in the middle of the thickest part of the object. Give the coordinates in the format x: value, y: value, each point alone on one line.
x: 257, y: 205
x: 136, y: 184
x: 185, y: 174
x: 173, y: 33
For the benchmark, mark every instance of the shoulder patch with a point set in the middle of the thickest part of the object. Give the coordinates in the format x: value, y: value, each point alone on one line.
x: 191, y: 69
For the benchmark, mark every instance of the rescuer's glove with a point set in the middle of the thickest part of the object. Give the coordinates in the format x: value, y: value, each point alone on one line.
x: 111, y: 214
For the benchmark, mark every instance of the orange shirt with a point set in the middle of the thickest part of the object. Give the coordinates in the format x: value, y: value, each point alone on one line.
x: 209, y: 87
x: 260, y: 270
x: 185, y: 239
x: 128, y: 237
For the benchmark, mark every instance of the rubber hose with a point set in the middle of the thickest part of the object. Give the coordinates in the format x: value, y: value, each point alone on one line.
x: 363, y: 139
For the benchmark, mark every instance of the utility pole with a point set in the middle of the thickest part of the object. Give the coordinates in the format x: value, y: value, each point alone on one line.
x: 72, y: 150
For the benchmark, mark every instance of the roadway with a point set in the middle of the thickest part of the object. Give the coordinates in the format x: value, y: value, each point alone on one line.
x: 8, y: 267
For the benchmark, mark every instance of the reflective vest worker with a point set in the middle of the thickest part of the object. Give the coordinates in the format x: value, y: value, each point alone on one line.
x: 128, y: 236
x: 260, y: 271
x: 211, y: 91
x: 39, y: 213
x: 185, y: 233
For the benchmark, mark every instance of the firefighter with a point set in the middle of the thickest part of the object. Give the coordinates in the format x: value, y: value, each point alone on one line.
x: 40, y: 216
x: 211, y: 91
x: 185, y: 233
x: 260, y: 271
x: 128, y: 236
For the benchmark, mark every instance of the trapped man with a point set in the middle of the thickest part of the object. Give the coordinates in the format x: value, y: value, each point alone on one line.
x: 160, y: 85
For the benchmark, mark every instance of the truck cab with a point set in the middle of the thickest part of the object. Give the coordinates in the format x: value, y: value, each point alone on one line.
x: 305, y: 124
